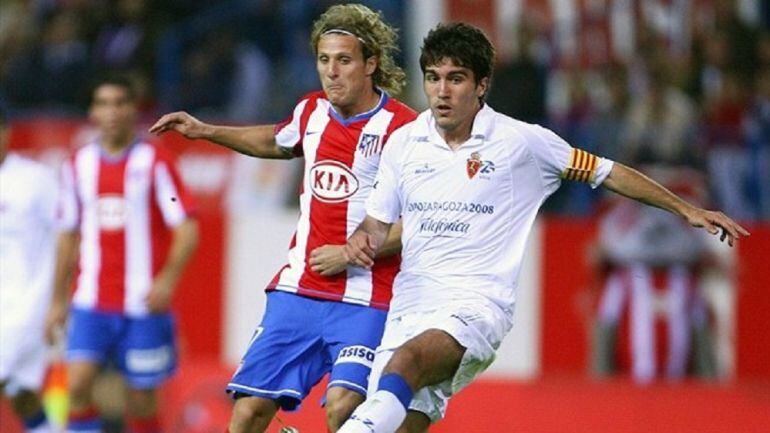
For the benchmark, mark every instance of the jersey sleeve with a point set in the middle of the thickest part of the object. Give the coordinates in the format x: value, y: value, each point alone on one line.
x: 558, y: 160
x: 384, y: 202
x: 289, y: 133
x: 171, y: 196
x: 68, y: 205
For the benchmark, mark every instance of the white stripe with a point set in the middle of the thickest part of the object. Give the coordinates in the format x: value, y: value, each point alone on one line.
x: 318, y: 120
x: 359, y: 285
x: 87, y: 170
x: 264, y: 391
x: 136, y: 187
x: 167, y: 196
x: 289, y: 135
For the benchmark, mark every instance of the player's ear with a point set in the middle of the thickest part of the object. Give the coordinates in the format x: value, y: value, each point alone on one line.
x: 371, y: 65
x: 482, y: 87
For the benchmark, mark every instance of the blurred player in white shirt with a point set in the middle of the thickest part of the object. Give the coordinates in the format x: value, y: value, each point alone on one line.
x: 468, y: 183
x: 27, y: 214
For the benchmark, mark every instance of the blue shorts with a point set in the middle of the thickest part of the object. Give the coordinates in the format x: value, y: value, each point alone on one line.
x: 300, y: 340
x: 142, y: 348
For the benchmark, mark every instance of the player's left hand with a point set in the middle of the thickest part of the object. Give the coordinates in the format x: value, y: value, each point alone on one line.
x: 714, y: 221
x: 158, y: 300
x: 328, y: 260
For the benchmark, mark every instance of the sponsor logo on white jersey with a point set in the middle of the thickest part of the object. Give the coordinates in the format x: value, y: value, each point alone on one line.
x: 332, y: 181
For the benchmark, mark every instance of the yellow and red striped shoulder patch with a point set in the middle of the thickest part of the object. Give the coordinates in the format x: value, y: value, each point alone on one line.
x: 582, y: 166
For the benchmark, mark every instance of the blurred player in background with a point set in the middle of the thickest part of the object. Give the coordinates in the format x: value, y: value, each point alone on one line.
x: 468, y: 183
x: 651, y: 262
x: 322, y: 317
x: 125, y: 221
x: 27, y: 245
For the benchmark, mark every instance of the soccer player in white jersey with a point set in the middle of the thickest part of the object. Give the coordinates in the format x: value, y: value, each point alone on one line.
x: 27, y: 241
x: 467, y: 183
x: 125, y: 220
x: 321, y: 316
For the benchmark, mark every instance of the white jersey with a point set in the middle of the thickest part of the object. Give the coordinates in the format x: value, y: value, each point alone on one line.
x: 467, y: 213
x: 27, y: 242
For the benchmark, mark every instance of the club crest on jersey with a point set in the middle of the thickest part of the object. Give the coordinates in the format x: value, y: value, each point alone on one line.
x: 369, y: 144
x: 475, y: 165
x: 332, y: 181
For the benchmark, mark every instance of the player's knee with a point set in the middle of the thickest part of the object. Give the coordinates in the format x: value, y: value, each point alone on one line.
x: 250, y: 412
x: 26, y: 403
x: 142, y: 403
x: 340, y: 407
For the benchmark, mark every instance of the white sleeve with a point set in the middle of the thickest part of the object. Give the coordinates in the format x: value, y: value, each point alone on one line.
x: 384, y: 202
x: 558, y: 160
x: 288, y: 134
x: 48, y: 199
x: 68, y: 206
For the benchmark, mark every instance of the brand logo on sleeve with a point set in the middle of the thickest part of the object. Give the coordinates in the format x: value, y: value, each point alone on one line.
x: 332, y: 181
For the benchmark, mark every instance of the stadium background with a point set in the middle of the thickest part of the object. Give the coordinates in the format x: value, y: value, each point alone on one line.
x: 245, y: 62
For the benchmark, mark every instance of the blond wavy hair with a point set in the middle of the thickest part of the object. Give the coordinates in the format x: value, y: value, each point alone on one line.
x: 379, y: 40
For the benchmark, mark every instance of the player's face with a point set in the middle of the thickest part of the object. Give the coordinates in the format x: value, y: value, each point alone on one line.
x: 113, y: 112
x: 345, y: 75
x: 453, y: 95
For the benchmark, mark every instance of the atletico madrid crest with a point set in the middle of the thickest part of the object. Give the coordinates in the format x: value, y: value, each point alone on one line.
x: 473, y: 165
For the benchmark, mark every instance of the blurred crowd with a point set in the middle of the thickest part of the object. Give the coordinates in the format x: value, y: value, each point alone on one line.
x: 701, y: 102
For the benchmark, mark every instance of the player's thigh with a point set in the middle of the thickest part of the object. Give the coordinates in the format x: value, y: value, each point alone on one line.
x: 351, y: 335
x: 286, y: 356
x: 429, y: 358
x: 81, y: 376
x: 146, y: 353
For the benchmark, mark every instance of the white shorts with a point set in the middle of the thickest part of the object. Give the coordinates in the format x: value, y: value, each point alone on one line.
x: 23, y: 359
x: 479, y: 327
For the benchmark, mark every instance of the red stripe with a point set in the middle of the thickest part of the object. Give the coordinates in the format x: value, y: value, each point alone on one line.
x: 328, y: 221
x: 112, y: 243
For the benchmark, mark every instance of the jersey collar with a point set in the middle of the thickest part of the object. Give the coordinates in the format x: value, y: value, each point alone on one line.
x: 363, y: 116
x: 480, y: 131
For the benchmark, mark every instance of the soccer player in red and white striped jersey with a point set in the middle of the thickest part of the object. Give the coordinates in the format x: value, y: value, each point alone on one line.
x: 322, y: 316
x: 125, y: 220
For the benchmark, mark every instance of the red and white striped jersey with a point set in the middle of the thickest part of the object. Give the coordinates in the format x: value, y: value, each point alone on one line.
x: 341, y: 161
x: 124, y: 208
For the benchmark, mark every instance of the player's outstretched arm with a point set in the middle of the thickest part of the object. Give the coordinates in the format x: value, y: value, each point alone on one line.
x: 630, y: 183
x: 363, y: 245
x: 66, y: 261
x: 257, y: 141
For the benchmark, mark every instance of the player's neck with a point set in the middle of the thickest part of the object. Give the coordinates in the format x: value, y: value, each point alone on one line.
x: 366, y: 102
x: 116, y: 145
x: 459, y: 134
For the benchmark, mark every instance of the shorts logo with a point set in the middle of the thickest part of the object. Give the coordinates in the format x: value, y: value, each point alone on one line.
x: 369, y: 144
x: 111, y: 209
x: 149, y: 360
x: 332, y: 181
x: 356, y: 354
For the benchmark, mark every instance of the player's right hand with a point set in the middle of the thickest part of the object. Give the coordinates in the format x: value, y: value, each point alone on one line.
x: 361, y: 249
x: 54, y: 322
x: 181, y: 122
